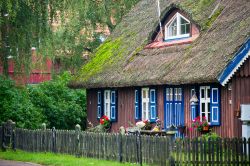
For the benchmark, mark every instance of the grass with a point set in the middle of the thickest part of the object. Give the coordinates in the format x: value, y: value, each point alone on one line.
x: 56, y: 159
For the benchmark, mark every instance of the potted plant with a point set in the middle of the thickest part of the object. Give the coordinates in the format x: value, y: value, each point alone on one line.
x: 148, y: 125
x: 105, y: 123
x: 200, y: 124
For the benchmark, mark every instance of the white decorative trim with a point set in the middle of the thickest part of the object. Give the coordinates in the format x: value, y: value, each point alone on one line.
x: 236, y: 69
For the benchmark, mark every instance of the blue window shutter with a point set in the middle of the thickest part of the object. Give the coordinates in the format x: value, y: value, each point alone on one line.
x: 137, y: 104
x: 215, y: 106
x: 153, y: 104
x: 99, y: 104
x: 113, y: 106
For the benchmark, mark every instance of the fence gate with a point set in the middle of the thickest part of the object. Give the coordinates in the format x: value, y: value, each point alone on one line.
x: 8, y: 135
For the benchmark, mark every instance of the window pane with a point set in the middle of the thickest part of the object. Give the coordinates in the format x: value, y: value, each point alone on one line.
x: 208, y: 118
x: 107, y: 95
x: 202, y: 93
x: 144, y: 93
x: 203, y: 109
x: 203, y: 114
x: 144, y: 106
x: 183, y: 21
x: 167, y: 94
x: 171, y: 94
x: 175, y: 94
x: 185, y: 27
x: 172, y: 29
x: 208, y: 93
x: 180, y: 94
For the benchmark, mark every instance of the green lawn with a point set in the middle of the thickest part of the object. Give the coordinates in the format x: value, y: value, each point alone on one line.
x: 56, y: 159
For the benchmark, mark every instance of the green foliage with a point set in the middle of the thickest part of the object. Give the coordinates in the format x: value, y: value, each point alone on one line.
x: 213, y: 18
x: 15, y: 104
x: 57, y: 159
x: 31, y: 23
x: 212, y: 136
x: 63, y: 107
x: 50, y: 102
x: 105, y: 55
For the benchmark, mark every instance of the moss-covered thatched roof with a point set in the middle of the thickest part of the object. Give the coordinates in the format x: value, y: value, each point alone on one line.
x: 122, y: 60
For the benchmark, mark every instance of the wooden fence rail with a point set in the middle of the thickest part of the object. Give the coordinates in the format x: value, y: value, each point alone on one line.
x: 136, y: 148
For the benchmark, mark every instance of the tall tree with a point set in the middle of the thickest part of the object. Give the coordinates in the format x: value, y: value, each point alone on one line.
x: 57, y: 28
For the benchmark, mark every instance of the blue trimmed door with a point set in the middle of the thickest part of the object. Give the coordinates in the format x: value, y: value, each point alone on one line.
x: 174, y: 107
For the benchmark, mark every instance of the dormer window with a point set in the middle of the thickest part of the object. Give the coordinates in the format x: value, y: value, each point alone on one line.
x: 177, y: 27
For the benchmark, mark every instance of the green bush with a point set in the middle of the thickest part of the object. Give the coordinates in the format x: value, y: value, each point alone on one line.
x: 50, y: 102
x: 62, y: 106
x: 212, y: 136
x: 16, y: 105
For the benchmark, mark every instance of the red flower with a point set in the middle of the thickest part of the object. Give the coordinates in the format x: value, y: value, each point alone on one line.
x: 102, y: 121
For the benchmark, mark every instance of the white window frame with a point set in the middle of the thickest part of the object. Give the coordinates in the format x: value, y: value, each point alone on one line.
x: 107, y: 101
x: 146, y: 113
x: 177, y: 16
x: 205, y: 100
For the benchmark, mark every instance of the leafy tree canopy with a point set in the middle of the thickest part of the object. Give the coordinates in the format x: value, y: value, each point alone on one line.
x: 57, y: 28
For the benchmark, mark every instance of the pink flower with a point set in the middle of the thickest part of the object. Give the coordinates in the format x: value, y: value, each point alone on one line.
x: 190, y: 129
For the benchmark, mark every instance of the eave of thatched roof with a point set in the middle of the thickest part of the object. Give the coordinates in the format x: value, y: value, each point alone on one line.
x: 122, y: 60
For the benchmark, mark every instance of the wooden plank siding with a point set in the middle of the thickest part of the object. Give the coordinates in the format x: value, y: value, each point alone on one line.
x: 126, y: 107
x: 92, y: 106
x: 231, y: 98
x: 240, y: 93
x: 225, y: 129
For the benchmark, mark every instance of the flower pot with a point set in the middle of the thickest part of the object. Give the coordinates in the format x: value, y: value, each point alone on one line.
x: 205, y: 128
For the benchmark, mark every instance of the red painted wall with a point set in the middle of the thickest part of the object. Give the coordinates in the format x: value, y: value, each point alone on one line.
x: 41, y: 70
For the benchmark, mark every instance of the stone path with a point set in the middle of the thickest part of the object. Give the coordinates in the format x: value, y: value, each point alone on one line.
x: 16, y: 163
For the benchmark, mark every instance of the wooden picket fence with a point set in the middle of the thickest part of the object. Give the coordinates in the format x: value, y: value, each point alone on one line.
x: 234, y: 151
x: 152, y: 150
x: 107, y: 146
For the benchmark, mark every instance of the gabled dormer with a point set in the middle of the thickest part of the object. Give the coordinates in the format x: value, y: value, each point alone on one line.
x: 176, y: 28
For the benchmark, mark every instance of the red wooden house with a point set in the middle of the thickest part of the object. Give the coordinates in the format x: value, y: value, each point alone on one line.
x: 41, y: 70
x: 144, y: 70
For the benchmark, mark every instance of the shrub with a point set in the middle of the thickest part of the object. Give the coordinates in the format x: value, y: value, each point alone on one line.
x: 16, y: 105
x: 62, y: 106
x: 50, y: 102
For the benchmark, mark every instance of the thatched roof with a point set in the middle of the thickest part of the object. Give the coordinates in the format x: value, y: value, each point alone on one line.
x: 122, y: 60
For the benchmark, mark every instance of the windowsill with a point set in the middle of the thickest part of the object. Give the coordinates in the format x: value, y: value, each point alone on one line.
x: 172, y: 42
x: 176, y: 39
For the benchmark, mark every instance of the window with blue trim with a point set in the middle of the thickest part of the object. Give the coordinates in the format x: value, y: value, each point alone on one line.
x: 146, y: 104
x: 107, y: 105
x: 210, y: 104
